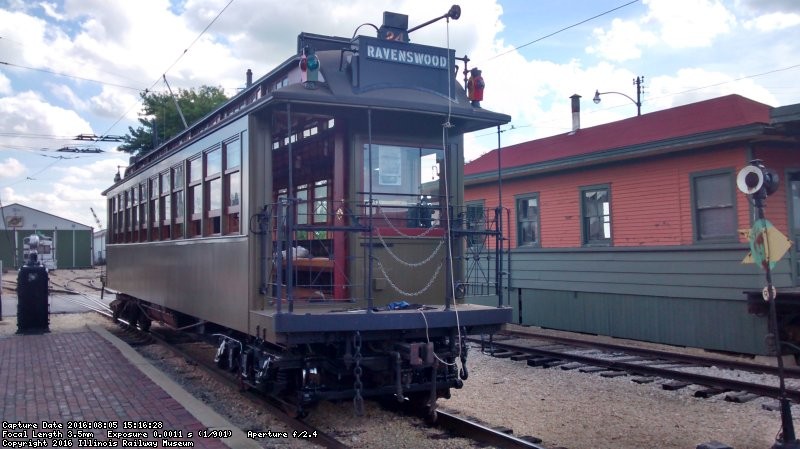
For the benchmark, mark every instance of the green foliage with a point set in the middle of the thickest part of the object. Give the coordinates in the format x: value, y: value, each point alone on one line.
x: 159, y: 110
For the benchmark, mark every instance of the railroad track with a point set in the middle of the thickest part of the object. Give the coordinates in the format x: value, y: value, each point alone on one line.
x: 448, y: 421
x: 643, y: 365
x: 168, y: 340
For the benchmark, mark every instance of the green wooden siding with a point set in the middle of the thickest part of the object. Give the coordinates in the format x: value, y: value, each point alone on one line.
x: 687, y: 296
x: 695, y: 322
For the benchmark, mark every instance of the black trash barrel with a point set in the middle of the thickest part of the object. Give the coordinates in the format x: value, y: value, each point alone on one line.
x: 32, y: 307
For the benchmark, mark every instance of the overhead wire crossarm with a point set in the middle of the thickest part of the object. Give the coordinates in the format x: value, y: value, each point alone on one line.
x: 96, y: 138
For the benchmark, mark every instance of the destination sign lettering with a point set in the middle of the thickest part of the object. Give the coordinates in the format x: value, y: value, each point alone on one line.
x: 407, y: 57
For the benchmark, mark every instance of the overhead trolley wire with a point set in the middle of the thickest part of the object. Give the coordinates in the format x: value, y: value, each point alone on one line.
x: 163, y: 75
x: 563, y: 29
x: 70, y: 76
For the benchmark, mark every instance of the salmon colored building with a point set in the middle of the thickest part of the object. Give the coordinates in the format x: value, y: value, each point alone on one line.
x: 631, y: 228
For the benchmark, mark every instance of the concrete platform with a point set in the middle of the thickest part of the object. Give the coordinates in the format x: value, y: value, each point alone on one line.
x: 97, y: 384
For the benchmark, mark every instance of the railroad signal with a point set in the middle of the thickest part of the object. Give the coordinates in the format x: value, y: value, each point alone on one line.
x: 309, y: 67
x: 767, y: 246
x: 756, y: 178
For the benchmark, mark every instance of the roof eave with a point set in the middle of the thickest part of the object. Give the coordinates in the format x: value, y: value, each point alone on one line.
x: 712, y: 138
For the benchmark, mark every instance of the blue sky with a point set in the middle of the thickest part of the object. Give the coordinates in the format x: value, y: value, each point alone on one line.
x: 687, y: 50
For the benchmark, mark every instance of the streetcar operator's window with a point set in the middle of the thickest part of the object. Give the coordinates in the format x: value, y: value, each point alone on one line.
x: 405, y: 184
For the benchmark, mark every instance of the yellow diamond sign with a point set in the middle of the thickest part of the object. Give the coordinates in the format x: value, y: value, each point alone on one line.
x: 767, y: 244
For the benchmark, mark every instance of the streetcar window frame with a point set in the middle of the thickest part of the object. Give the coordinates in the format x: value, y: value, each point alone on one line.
x: 178, y: 200
x: 194, y: 204
x: 212, y: 191
x: 232, y: 186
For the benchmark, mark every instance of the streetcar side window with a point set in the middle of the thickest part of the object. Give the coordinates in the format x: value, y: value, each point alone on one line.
x: 213, y: 191
x: 134, y: 214
x: 232, y: 186
x: 178, y: 203
x: 143, y: 212
x: 154, y: 209
x: 165, y: 205
x: 195, y: 199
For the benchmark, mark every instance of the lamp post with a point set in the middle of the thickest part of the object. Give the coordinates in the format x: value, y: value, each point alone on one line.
x: 638, y: 101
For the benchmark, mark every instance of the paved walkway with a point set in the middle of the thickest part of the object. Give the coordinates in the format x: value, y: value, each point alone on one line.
x: 100, y: 385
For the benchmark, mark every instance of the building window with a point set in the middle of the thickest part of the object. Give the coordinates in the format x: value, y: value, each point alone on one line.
x: 713, y: 203
x: 596, y: 215
x: 528, y: 220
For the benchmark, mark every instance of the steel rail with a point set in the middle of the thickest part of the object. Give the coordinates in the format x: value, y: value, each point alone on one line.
x: 465, y: 428
x: 686, y: 358
x: 323, y: 439
x: 693, y: 378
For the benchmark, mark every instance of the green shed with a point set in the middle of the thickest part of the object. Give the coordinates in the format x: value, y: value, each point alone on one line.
x: 70, y: 243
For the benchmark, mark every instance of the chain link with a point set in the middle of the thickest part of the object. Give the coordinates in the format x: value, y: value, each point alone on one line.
x: 358, y: 400
x: 395, y: 229
x: 402, y: 292
x: 409, y: 264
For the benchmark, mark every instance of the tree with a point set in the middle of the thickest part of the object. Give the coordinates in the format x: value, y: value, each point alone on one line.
x: 160, y: 119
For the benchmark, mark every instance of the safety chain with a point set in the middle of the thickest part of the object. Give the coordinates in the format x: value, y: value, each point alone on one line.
x: 358, y: 400
x: 410, y: 264
x: 395, y: 229
x: 402, y: 292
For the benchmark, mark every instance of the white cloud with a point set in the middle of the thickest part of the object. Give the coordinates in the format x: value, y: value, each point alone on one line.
x: 675, y: 24
x: 689, y: 23
x: 696, y: 84
x: 10, y: 169
x: 50, y: 10
x: 622, y: 42
x: 27, y: 113
x: 773, y: 22
x: 66, y: 94
x: 5, y: 85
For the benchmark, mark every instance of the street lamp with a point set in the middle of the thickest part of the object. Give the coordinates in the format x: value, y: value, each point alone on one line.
x: 638, y: 101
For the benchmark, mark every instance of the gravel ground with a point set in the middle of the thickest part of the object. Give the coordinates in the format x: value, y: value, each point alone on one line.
x: 565, y: 409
